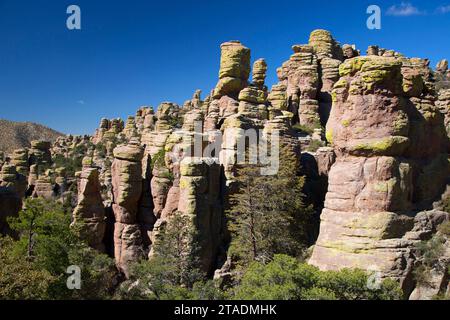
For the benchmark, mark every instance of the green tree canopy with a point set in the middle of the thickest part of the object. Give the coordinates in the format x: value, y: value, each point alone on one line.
x: 285, y: 278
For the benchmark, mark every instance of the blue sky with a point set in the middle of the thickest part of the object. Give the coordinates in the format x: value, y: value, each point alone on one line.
x: 133, y: 53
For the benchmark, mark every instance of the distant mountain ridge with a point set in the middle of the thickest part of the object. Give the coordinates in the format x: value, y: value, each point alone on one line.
x: 15, y: 135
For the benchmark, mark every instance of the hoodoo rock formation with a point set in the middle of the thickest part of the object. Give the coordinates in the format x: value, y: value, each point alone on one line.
x: 370, y: 132
x: 127, y: 190
x: 234, y: 69
x: 200, y: 201
x: 89, y: 214
x: 12, y: 190
x: 391, y: 148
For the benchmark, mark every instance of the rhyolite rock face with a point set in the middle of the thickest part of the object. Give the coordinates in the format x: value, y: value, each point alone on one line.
x: 89, y: 214
x: 437, y: 279
x: 200, y: 201
x: 234, y: 69
x: 40, y: 152
x: 21, y: 160
x: 127, y: 179
x: 349, y: 51
x: 442, y: 66
x: 130, y: 129
x: 443, y: 104
x: 12, y: 190
x: 373, y: 51
x: 44, y: 187
x: 195, y: 103
x: 382, y: 164
x: 259, y: 72
x: 391, y: 149
x: 325, y: 45
x: 306, y: 80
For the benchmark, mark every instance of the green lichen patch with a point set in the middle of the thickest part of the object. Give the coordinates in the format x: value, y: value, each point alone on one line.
x: 329, y: 135
x: 401, y: 124
x: 392, y: 145
x: 351, y: 66
x: 345, y: 122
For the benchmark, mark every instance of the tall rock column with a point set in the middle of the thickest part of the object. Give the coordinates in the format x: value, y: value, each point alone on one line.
x: 252, y: 104
x: 233, y: 128
x: 155, y: 140
x: 166, y: 183
x: 89, y: 214
x: 20, y: 160
x: 234, y: 69
x: 126, y: 173
x: 12, y: 189
x: 130, y: 129
x: 105, y: 125
x: 391, y: 162
x: 444, y: 106
x: 200, y: 201
x: 330, y: 56
x: 259, y: 74
x: 442, y: 66
x: 40, y: 153
x: 303, y: 86
x: 306, y: 81
x: 45, y: 187
x: 324, y: 45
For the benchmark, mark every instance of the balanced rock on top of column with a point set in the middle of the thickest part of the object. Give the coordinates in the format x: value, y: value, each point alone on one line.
x: 234, y: 69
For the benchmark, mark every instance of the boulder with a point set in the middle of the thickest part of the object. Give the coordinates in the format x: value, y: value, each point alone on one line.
x: 234, y: 69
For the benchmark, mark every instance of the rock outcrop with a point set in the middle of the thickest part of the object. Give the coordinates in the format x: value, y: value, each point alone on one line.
x: 20, y: 160
x: 40, y: 153
x: 12, y: 190
x: 89, y: 214
x: 199, y: 200
x: 435, y: 279
x: 306, y: 80
x: 127, y: 189
x: 259, y: 72
x: 234, y: 69
x: 373, y: 176
x: 442, y: 66
x: 391, y: 149
x: 443, y: 104
x: 44, y: 186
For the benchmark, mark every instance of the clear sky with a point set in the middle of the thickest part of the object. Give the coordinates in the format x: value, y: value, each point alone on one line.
x: 136, y: 52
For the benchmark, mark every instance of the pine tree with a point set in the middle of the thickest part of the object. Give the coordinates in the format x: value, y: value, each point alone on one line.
x: 174, y: 270
x: 267, y: 215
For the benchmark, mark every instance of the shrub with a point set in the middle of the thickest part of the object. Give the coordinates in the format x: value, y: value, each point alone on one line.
x: 20, y: 278
x: 72, y: 165
x: 158, y: 159
x: 444, y: 228
x: 303, y: 129
x: 446, y: 205
x: 101, y: 149
x: 47, y: 246
x: 314, y: 145
x: 286, y: 278
x: 176, y: 122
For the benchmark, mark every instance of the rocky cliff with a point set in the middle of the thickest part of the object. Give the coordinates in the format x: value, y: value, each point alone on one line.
x: 391, y: 147
x: 370, y: 133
